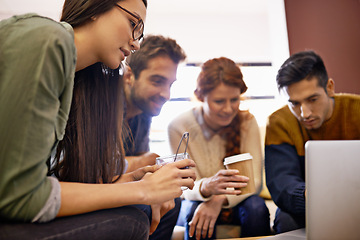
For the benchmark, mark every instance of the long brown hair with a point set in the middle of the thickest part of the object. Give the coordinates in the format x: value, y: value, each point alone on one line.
x: 213, y: 73
x: 92, y: 148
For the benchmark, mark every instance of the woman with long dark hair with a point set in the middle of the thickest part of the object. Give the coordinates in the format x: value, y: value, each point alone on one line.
x: 39, y: 113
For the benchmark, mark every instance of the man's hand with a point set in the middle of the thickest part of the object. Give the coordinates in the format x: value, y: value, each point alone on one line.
x: 158, y: 211
x: 137, y: 174
x: 145, y: 159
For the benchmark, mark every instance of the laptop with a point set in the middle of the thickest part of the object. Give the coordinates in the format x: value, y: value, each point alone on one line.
x: 332, y: 170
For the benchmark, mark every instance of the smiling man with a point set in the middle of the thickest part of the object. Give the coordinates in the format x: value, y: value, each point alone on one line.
x: 314, y: 112
x: 150, y: 73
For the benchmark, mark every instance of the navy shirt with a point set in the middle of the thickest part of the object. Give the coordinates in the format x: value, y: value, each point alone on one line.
x: 137, y: 140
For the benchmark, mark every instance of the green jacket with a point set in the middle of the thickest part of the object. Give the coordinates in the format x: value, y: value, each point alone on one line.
x: 37, y: 67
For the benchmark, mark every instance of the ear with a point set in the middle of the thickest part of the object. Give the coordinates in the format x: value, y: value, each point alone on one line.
x: 128, y: 76
x: 198, y: 95
x: 330, y: 87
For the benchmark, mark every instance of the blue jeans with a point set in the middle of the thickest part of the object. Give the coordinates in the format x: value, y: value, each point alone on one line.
x: 118, y: 223
x: 285, y: 222
x: 251, y: 214
x: 167, y: 223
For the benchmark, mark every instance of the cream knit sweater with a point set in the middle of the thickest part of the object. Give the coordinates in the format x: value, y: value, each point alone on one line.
x: 208, y: 154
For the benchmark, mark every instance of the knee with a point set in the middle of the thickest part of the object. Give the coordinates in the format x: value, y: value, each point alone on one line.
x: 285, y: 222
x: 137, y: 215
x: 257, y: 206
x: 137, y: 223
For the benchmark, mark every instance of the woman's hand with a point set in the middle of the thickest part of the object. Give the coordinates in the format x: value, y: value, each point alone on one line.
x: 166, y: 182
x: 223, y: 182
x: 158, y: 211
x: 137, y: 174
x: 205, y: 217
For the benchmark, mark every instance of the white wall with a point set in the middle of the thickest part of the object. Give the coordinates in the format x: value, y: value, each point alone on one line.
x: 243, y: 30
x: 49, y: 8
x: 238, y: 29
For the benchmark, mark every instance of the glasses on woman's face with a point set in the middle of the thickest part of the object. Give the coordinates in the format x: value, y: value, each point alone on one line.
x: 138, y: 28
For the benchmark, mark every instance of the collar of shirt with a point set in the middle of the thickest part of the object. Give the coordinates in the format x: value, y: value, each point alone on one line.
x: 199, y: 116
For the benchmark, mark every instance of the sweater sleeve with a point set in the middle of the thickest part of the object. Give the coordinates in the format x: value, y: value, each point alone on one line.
x: 285, y: 174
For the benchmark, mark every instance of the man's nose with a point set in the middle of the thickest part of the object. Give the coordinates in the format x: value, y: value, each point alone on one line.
x: 305, y: 111
x: 165, y: 93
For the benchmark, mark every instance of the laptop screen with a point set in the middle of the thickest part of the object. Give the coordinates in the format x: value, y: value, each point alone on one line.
x: 333, y: 189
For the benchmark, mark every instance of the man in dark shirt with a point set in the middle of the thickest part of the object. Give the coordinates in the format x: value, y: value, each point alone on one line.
x: 149, y: 75
x: 313, y: 112
x: 151, y: 72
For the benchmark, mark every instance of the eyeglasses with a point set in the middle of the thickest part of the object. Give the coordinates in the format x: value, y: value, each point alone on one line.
x: 138, y: 28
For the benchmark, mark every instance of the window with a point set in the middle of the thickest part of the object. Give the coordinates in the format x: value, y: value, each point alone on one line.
x: 246, y: 31
x: 261, y: 99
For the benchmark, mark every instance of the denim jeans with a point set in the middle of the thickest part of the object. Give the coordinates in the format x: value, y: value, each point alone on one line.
x: 251, y: 214
x: 285, y: 222
x: 167, y: 223
x: 127, y: 223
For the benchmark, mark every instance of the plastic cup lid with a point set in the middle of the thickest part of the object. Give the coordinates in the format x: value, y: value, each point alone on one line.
x: 237, y: 158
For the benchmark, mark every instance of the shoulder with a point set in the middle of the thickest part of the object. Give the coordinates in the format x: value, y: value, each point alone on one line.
x: 282, y: 126
x: 36, y: 24
x: 346, y: 99
x: 184, y: 118
x: 247, y: 120
x: 246, y: 115
x: 140, y: 123
x: 280, y: 114
x: 347, y: 112
x: 39, y: 44
x: 282, y: 117
x: 186, y: 121
x: 31, y: 30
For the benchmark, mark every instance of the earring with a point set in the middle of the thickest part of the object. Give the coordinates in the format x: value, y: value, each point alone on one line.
x: 132, y: 51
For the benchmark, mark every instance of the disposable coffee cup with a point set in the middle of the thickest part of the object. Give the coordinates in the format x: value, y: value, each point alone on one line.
x: 172, y: 158
x: 243, y: 163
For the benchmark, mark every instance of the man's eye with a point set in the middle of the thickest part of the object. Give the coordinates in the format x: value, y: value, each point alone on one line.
x: 294, y: 104
x: 157, y: 82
